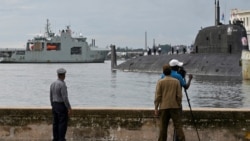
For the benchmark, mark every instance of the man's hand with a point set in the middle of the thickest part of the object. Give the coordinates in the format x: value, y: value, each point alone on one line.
x: 190, y: 76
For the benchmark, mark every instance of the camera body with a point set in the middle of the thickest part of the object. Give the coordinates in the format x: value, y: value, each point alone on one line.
x: 182, y: 72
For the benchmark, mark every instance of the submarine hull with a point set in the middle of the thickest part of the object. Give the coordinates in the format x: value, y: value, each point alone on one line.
x: 198, y: 64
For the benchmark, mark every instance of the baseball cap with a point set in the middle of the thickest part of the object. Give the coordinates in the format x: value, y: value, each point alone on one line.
x: 175, y: 62
x: 61, y: 71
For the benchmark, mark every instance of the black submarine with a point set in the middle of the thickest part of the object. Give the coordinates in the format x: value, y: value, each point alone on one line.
x: 216, y: 51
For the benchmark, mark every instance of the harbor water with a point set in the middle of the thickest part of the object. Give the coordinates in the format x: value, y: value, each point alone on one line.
x: 95, y: 85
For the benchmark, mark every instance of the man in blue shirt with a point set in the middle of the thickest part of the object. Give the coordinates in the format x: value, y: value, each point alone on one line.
x: 175, y: 66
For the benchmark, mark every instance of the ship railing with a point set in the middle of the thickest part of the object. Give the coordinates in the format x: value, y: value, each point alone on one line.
x: 11, y: 49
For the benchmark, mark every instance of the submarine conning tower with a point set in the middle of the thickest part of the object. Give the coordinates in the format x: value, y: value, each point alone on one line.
x: 221, y: 38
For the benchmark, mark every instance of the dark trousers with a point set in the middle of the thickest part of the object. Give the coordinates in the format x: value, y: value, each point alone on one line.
x: 175, y: 136
x: 60, y: 121
x: 175, y: 115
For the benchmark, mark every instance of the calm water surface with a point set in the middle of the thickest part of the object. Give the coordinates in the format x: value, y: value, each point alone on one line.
x: 95, y: 85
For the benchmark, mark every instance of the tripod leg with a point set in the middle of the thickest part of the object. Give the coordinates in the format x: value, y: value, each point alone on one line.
x: 174, y: 136
x: 192, y: 114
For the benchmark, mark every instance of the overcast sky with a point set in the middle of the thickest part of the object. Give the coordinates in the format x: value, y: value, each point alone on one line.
x: 119, y: 22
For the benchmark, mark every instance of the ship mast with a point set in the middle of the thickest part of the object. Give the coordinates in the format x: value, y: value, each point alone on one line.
x: 217, y: 12
x: 146, y: 46
x: 48, y: 32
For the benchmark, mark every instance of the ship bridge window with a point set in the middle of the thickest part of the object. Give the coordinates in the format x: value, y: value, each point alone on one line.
x: 76, y: 50
x: 21, y: 52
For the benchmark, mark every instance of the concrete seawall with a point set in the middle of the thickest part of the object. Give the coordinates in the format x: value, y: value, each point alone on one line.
x: 121, y: 124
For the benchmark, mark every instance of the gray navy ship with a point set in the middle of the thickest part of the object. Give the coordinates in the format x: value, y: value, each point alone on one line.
x: 52, y: 48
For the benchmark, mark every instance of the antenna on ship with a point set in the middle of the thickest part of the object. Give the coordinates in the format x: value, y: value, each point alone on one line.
x: 48, y: 32
x: 146, y: 40
x: 217, y: 12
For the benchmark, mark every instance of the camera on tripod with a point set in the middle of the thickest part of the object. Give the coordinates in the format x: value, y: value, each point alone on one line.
x: 182, y: 72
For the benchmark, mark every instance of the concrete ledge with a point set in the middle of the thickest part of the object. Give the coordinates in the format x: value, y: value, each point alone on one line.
x: 115, y: 124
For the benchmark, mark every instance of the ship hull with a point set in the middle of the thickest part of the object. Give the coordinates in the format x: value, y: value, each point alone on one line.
x: 54, y: 57
x: 199, y: 64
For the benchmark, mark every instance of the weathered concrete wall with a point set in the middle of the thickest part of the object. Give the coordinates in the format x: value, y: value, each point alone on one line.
x: 118, y: 124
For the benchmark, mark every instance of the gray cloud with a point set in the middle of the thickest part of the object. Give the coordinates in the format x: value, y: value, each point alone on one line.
x: 120, y: 22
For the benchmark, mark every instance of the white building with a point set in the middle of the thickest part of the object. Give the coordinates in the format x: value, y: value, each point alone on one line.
x: 242, y: 15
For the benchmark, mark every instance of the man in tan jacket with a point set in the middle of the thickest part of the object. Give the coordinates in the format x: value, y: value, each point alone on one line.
x: 168, y: 97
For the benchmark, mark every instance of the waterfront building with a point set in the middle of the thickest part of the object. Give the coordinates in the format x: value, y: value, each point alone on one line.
x: 244, y: 16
